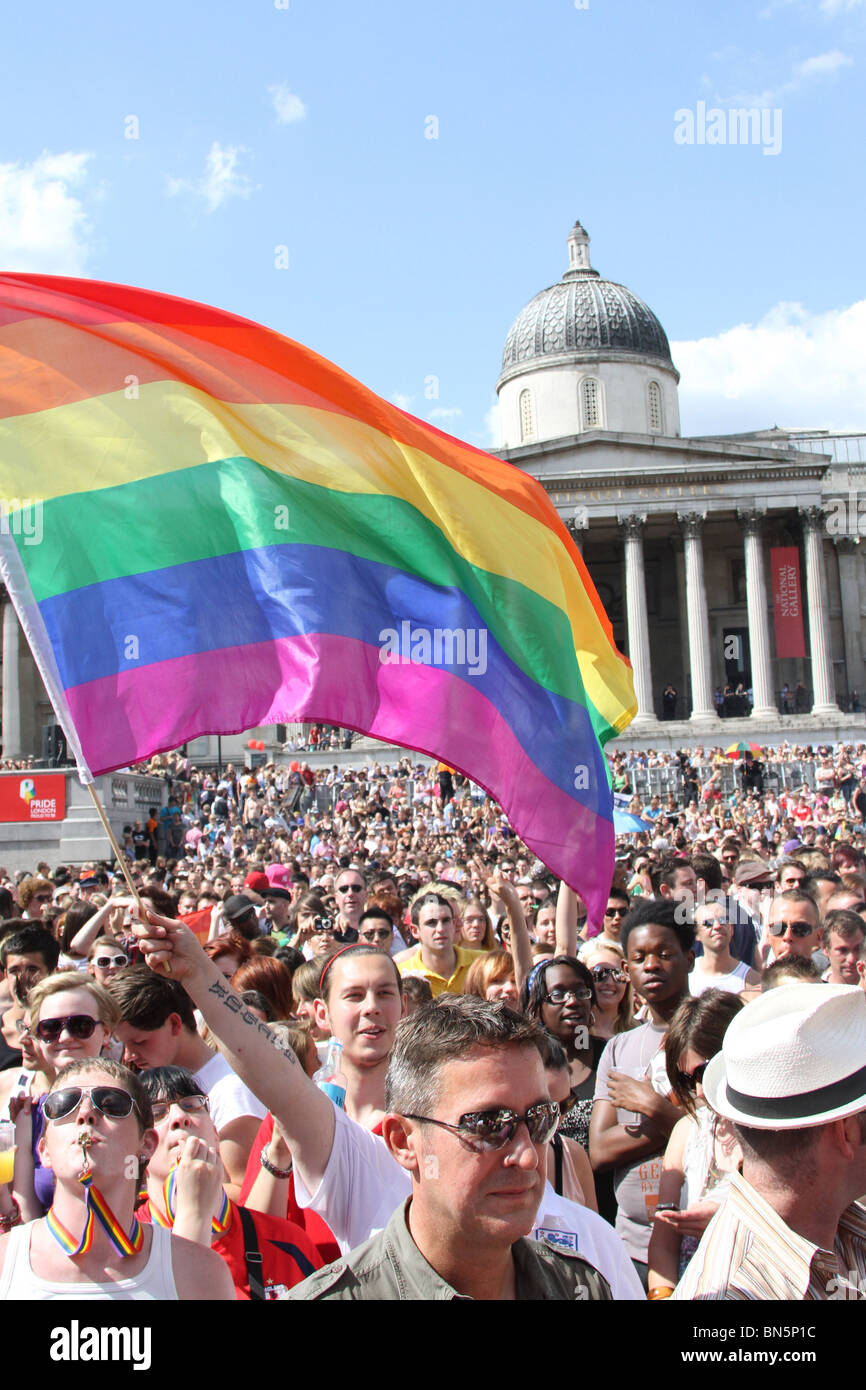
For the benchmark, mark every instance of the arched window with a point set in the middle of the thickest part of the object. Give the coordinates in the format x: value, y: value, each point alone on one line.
x: 590, y: 404
x: 656, y: 418
x: 527, y: 417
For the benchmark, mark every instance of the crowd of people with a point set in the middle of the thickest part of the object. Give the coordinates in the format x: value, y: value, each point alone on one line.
x: 348, y: 1038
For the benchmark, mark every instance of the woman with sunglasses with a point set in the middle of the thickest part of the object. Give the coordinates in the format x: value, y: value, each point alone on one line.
x: 186, y: 1193
x: 71, y: 1018
x: 90, y: 1244
x: 702, y: 1152
x: 614, y: 1000
x: 560, y: 993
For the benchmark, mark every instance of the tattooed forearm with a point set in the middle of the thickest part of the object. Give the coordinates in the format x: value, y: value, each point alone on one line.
x: 236, y: 1006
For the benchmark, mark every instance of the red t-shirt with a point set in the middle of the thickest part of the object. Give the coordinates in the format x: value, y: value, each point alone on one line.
x: 288, y: 1254
x: 312, y: 1224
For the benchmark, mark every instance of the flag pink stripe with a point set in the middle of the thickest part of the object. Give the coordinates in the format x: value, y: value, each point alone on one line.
x: 161, y: 706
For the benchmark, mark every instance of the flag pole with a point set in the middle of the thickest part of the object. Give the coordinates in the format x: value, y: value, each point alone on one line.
x: 122, y: 864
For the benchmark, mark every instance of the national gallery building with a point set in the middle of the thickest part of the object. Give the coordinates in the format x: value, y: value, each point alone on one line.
x: 722, y: 561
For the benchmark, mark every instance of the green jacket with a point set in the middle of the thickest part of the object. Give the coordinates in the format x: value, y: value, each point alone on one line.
x: 389, y: 1266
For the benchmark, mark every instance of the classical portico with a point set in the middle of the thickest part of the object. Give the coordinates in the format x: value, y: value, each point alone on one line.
x: 676, y: 532
x: 679, y: 552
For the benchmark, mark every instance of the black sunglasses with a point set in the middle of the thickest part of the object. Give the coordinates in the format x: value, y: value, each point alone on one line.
x: 80, y: 1026
x: 798, y: 928
x: 108, y: 1100
x: 690, y: 1079
x: 487, y: 1130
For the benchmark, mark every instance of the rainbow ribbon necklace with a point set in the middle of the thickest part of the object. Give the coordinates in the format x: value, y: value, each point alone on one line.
x: 219, y: 1224
x: 97, y: 1210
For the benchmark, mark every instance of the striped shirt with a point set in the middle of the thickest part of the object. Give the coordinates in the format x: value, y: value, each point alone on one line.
x: 747, y: 1252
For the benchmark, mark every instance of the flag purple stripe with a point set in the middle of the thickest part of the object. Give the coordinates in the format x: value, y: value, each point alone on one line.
x: 162, y: 705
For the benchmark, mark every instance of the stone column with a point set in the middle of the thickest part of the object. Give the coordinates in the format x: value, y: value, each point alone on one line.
x: 11, y: 695
x: 823, y: 694
x: 638, y: 625
x: 578, y: 527
x: 848, y: 555
x: 764, y: 707
x: 703, y: 709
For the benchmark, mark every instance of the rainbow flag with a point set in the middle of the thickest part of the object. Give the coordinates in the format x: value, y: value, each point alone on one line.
x: 233, y: 532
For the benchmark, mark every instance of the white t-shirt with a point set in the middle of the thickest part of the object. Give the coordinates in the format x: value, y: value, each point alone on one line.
x: 362, y: 1186
x: 229, y: 1097
x: 734, y: 982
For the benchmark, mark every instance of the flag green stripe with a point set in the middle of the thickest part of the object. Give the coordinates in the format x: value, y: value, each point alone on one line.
x: 236, y: 504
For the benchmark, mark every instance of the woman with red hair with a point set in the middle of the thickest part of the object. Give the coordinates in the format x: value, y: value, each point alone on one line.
x: 269, y: 977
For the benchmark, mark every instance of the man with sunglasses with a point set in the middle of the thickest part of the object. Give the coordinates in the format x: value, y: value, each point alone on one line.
x: 794, y: 927
x: 615, y: 913
x: 717, y: 967
x: 350, y: 892
x: 342, y: 1171
x: 477, y: 1163
x: 375, y: 928
x: 90, y: 1245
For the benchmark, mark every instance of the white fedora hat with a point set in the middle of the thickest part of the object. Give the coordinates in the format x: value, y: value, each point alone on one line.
x: 794, y: 1058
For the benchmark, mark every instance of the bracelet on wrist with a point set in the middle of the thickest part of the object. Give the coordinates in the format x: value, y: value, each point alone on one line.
x: 663, y: 1291
x: 11, y: 1218
x: 272, y: 1169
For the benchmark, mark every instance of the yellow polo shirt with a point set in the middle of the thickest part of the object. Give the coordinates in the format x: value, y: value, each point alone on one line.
x: 414, y: 965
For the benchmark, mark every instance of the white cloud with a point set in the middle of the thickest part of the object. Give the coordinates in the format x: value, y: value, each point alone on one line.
x: 43, y: 225
x: 823, y: 65
x: 820, y: 65
x: 287, y: 106
x: 442, y: 412
x: 493, y: 427
x: 402, y: 401
x: 221, y: 179
x: 792, y: 368
x: 825, y: 7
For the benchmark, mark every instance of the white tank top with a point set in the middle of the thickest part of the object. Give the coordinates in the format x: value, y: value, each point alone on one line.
x: 155, y: 1281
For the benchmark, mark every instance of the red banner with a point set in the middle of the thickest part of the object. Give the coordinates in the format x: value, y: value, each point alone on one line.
x: 33, y: 796
x: 787, y: 601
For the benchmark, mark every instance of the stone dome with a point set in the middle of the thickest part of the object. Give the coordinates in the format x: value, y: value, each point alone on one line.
x: 583, y: 315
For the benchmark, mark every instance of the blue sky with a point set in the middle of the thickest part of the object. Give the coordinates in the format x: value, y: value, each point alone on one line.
x: 306, y: 127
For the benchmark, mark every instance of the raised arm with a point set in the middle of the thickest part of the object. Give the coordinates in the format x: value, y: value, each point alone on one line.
x: 521, y: 946
x: 566, y: 922
x: 271, y: 1071
x: 95, y: 926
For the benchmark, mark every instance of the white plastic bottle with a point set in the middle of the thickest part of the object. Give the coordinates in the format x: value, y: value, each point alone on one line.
x: 329, y: 1078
